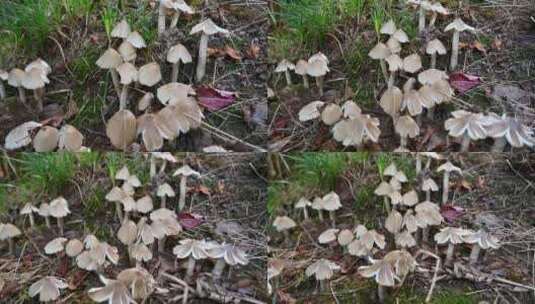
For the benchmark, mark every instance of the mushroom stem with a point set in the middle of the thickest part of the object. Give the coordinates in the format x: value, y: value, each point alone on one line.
x: 392, y: 80
x: 115, y: 80
x: 384, y: 69
x: 22, y: 96
x: 32, y: 220
x: 320, y: 214
x: 425, y: 234
x: 286, y: 237
x: 305, y: 81
x: 2, y: 90
x: 381, y: 293
x: 455, y: 51
x: 387, y: 204
x: 174, y: 19
x: 161, y: 244
x: 218, y: 268
x: 124, y: 97
x: 174, y: 72
x: 499, y: 144
x: 465, y: 144
x: 305, y: 213
x: 431, y: 113
x: 323, y: 285
x: 162, y: 203
x: 428, y: 195
x: 201, y: 65
x: 418, y: 163
x: 319, y: 83
x: 445, y: 186
x: 161, y: 20
x: 433, y: 20
x: 421, y: 20
x: 449, y: 254
x: 182, y: 197
x: 403, y: 142
x: 332, y: 217
x: 152, y: 167
x: 118, y: 211
x: 191, y: 267
x: 288, y: 77
x: 164, y: 165
x: 47, y: 222
x: 433, y: 60
x: 60, y: 225
x: 11, y: 246
x: 474, y: 254
x: 39, y: 100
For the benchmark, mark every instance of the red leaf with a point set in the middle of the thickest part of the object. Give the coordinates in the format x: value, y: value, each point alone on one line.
x: 463, y: 82
x: 189, y: 220
x: 213, y: 99
x: 451, y: 213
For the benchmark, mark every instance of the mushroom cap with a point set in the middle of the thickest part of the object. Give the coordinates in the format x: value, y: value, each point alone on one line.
x: 370, y: 238
x: 127, y: 72
x: 390, y: 170
x: 331, y: 114
x: 317, y: 203
x: 70, y: 139
x: 166, y: 156
x: 231, y: 254
x: 141, y: 282
x: 384, y: 189
x: 56, y: 245
x: 394, y: 45
x: 483, y: 238
x: 516, y: 133
x: 4, y: 75
x: 165, y: 190
x: 322, y: 269
x: 40, y: 64
x: 380, y: 51
x: 401, y: 36
x: 331, y: 201
x: 144, y: 205
x: 153, y: 131
x: 395, y: 63
x: 436, y: 46
x: 345, y: 237
x: 302, y: 203
x: 351, y: 110
x: 162, y: 214
x: 318, y: 65
x: 429, y: 185
x: 327, y: 236
x: 381, y: 270
x: 8, y: 231
x: 452, y: 235
x: 181, y: 116
x: 459, y: 26
x: 410, y: 198
x: 130, y: 179
x: 389, y: 28
x: 405, y: 239
x: 15, y: 77
x: 110, y: 59
x: 357, y: 248
x: 189, y: 247
x: 208, y: 27
x: 413, y: 102
x: 178, y: 53
x: 145, y: 101
x: 121, y: 129
x: 438, y: 8
x: 48, y: 288
x: 393, y: 222
x: 127, y: 233
x: 431, y: 76
x: 59, y: 207
x: 391, y: 101
x: 311, y: 111
x: 44, y: 209
x: 150, y: 74
x: 121, y: 30
x: 215, y: 149
x: 136, y: 40
x: 28, y: 209
x: 140, y: 252
x: 284, y: 66
x: 282, y: 223
x: 46, y: 139
x: 407, y: 127
x: 113, y: 291
x: 174, y: 91
x: 34, y: 79
x: 127, y: 51
x: 410, y: 221
x: 464, y: 122
x: 402, y: 261
x: 301, y: 67
x: 74, y: 247
x: 412, y: 63
x: 186, y: 171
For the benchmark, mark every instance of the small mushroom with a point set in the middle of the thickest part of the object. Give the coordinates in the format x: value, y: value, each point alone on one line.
x: 59, y: 208
x: 391, y: 102
x: 510, y: 130
x: 180, y: 7
x: 110, y: 60
x: 121, y: 129
x: 322, y: 270
x: 405, y: 239
x: 136, y: 40
x: 226, y: 254
x: 112, y: 292
x: 328, y: 236
x: 150, y: 74
x: 318, y: 67
x: 127, y: 51
x: 301, y: 69
x: 406, y: 127
x: 385, y: 190
x: 356, y: 131
x: 164, y: 223
x: 434, y: 48
x: 466, y: 125
x: 395, y: 64
x: 184, y: 172
x: 176, y: 54
x: 140, y: 253
x: 427, y: 215
x: 165, y: 157
x: 429, y: 185
x: 331, y: 114
x: 412, y: 100
x: 36, y: 80
x: 121, y: 30
x: 48, y: 288
x: 393, y: 222
x: 29, y: 210
x: 412, y: 63
x: 481, y: 239
x: 284, y: 224
x: 3, y: 77
x: 44, y: 211
x: 448, y: 168
x: 311, y: 111
x: 9, y: 232
x: 381, y: 52
x: 317, y: 204
x: 285, y: 67
x: 73, y: 248
x: 424, y: 6
x: 55, y: 246
x: 331, y: 203
x: 207, y: 28
x: 15, y: 78
x: 176, y: 6
x: 128, y: 233
x: 193, y: 250
x: 457, y: 27
x: 140, y: 282
x: 303, y: 203
x: 118, y: 196
x: 128, y: 74
x: 451, y: 236
x: 345, y: 237
x: 164, y: 191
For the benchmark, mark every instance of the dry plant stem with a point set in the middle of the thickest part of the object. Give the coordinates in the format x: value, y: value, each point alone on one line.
x: 47, y: 222
x: 174, y: 72
x: 2, y: 90
x: 434, y: 60
x: 305, y: 81
x: 118, y: 211
x: 445, y: 187
x: 182, y: 196
x: 124, y: 97
x: 11, y: 246
x: 174, y: 20
x: 499, y: 145
x: 381, y: 293
x: 384, y: 69
x: 433, y: 20
x: 455, y: 51
x: 465, y: 144
x: 333, y: 218
x: 449, y: 254
x: 191, y: 267
x: 474, y: 254
x: 201, y: 65
x: 319, y: 83
x: 161, y: 20
x: 219, y: 267
x: 421, y: 20
x: 115, y: 80
x: 60, y: 225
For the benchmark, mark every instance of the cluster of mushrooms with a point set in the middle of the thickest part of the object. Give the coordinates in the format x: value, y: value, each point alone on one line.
x: 144, y: 230
x: 181, y: 111
x: 409, y: 223
x: 424, y: 89
x: 43, y: 138
x: 316, y: 66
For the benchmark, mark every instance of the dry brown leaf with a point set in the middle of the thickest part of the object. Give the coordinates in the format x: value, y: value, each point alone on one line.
x: 480, y: 47
x: 497, y: 44
x: 254, y: 50
x: 232, y: 53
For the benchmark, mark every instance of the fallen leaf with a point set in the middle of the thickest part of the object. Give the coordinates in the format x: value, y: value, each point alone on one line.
x: 232, y: 53
x: 480, y: 47
x: 220, y: 186
x: 451, y: 213
x: 189, y: 220
x: 497, y: 44
x: 285, y: 298
x: 213, y: 99
x: 204, y: 190
x: 254, y: 50
x: 463, y: 82
x: 464, y: 184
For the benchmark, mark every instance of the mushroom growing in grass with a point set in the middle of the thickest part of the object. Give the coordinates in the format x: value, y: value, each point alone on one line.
x: 128, y: 234
x: 393, y: 222
x: 164, y: 191
x: 356, y: 131
x: 391, y: 102
x: 434, y: 48
x: 331, y: 203
x: 226, y: 254
x: 73, y: 248
x: 48, y: 288
x: 327, y: 236
x: 322, y: 270
x: 405, y: 239
x: 412, y: 100
x: 114, y: 291
x: 110, y: 60
x: 57, y: 245
x: 311, y: 111
x: 128, y: 74
x: 423, y: 6
x: 510, y: 130
x: 29, y: 210
x: 406, y: 127
x: 4, y: 75
x: 176, y: 54
x: 451, y: 236
x: 285, y: 67
x: 164, y: 223
x: 303, y: 203
x: 331, y: 114
x: 345, y: 237
x: 36, y: 80
x: 284, y: 224
x: 301, y: 68
x: 140, y: 282
x: 381, y: 52
x: 481, y: 239
x: 318, y: 67
x: 458, y: 26
x: 140, y: 253
x: 150, y: 74
x: 7, y: 233
x: 121, y: 30
x: 427, y: 215
x: 385, y: 190
x: 15, y: 78
x: 193, y: 250
x: 207, y: 28
x: 317, y: 204
x: 184, y: 172
x: 121, y: 129
x: 44, y: 211
x: 395, y: 64
x: 429, y: 185
x: 176, y: 6
x: 467, y: 126
x: 59, y: 208
x: 448, y: 168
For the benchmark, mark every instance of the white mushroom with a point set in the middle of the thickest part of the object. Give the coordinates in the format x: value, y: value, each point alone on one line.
x: 193, y: 250
x: 451, y: 236
x: 114, y: 291
x: 59, y: 208
x: 447, y: 167
x: 322, y: 270
x: 481, y: 239
x: 285, y: 67
x: 164, y: 191
x: 176, y: 54
x: 303, y: 203
x: 301, y: 69
x: 29, y: 210
x: 226, y: 254
x: 9, y: 232
x: 207, y: 28
x: 457, y: 27
x: 318, y: 67
x: 331, y: 203
x: 3, y: 77
x: 184, y: 172
x: 110, y: 60
x: 48, y: 288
